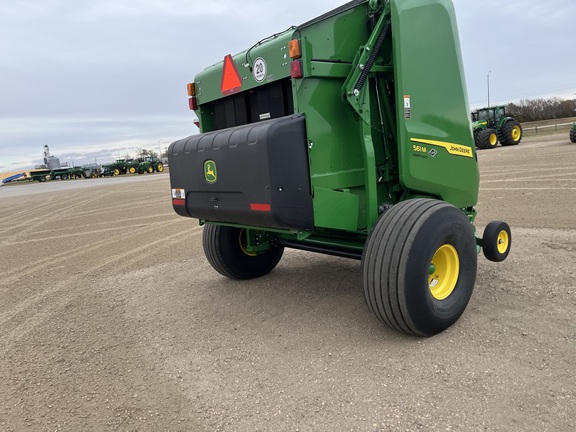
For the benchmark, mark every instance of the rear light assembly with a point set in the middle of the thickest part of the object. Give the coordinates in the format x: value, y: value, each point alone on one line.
x: 192, y: 102
x: 296, y: 68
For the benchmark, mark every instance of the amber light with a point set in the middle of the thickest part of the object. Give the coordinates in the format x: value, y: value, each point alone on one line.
x: 294, y: 48
x: 191, y: 90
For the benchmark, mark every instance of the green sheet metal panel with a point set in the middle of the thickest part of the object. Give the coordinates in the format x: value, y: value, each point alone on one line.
x: 274, y: 53
x: 436, y: 146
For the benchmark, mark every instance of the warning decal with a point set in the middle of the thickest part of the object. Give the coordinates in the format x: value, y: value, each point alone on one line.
x: 407, y: 108
x: 259, y: 69
x: 231, y: 80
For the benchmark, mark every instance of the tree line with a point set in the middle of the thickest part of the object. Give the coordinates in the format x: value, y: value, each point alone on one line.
x: 528, y: 110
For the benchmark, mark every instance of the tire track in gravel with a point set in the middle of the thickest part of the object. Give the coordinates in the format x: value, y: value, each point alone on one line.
x: 51, y: 213
x: 36, y: 309
x: 139, y: 221
x: 31, y: 267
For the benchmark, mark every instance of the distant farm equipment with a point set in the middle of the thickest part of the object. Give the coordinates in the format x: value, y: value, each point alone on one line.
x: 52, y: 169
x: 12, y: 178
x: 492, y: 125
x: 148, y: 164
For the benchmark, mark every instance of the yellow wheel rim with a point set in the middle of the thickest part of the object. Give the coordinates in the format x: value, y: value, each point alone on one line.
x: 516, y: 133
x: 444, y: 272
x: 493, y: 139
x: 243, y: 241
x: 503, y: 241
x: 160, y: 168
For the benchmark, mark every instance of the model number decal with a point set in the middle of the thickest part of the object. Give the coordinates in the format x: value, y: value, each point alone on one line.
x: 453, y: 149
x: 419, y: 149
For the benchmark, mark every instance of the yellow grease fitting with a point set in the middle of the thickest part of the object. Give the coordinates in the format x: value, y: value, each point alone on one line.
x: 453, y: 149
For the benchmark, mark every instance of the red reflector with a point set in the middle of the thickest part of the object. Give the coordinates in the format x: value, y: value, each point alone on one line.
x: 197, y: 123
x: 178, y: 202
x: 231, y: 79
x: 296, y: 69
x: 193, y: 103
x: 260, y: 207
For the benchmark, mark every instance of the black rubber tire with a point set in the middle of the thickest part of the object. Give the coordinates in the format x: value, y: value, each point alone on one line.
x: 132, y: 170
x: 486, y: 139
x: 573, y: 135
x: 397, y: 259
x: 159, y: 167
x: 496, y: 241
x: 150, y: 169
x: 507, y: 134
x: 222, y: 247
x: 64, y: 177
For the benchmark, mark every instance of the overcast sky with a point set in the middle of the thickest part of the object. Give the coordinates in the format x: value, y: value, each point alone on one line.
x: 95, y: 79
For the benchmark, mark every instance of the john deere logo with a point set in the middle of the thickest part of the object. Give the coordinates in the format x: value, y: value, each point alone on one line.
x: 210, y: 173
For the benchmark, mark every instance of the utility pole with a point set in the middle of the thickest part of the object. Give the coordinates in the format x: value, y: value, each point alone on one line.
x: 488, y: 82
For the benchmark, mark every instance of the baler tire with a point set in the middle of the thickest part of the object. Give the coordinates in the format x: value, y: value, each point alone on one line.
x: 496, y: 241
x: 573, y: 135
x: 486, y: 139
x: 223, y: 247
x: 510, y: 133
x: 419, y: 266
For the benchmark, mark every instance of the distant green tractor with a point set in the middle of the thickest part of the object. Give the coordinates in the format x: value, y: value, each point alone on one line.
x: 113, y: 169
x: 150, y: 164
x: 492, y: 125
x: 132, y: 165
x: 573, y: 133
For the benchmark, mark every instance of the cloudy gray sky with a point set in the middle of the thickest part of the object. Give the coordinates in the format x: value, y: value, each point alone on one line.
x: 95, y: 79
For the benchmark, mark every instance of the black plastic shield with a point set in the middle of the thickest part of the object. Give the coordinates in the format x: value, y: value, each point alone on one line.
x: 255, y: 175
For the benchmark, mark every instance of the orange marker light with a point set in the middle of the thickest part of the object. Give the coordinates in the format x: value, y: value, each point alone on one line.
x: 191, y: 90
x: 294, y: 48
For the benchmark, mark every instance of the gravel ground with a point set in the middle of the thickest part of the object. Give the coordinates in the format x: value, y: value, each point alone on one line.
x: 112, y: 319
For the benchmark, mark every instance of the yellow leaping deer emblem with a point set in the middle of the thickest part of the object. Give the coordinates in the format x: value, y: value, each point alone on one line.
x: 210, y: 173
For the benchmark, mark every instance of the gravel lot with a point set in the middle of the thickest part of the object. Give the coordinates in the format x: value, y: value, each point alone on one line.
x: 111, y: 319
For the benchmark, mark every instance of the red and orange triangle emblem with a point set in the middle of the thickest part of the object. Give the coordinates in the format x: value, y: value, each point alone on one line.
x: 231, y: 79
